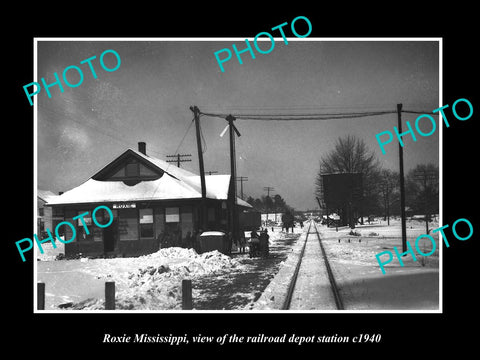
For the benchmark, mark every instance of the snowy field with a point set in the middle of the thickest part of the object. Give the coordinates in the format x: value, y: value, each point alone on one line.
x: 414, y: 286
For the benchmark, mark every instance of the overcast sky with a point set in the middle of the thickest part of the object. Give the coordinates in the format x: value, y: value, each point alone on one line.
x: 148, y: 99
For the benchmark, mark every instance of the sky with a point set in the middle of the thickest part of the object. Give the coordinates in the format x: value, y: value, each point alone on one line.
x: 148, y: 99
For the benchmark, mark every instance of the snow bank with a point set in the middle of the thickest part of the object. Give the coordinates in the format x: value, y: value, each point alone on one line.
x: 153, y: 282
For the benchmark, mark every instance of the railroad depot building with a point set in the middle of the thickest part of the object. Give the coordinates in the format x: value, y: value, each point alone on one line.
x: 154, y: 204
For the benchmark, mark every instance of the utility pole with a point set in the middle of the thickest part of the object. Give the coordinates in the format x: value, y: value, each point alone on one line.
x: 402, y: 182
x: 233, y: 184
x: 241, y: 179
x: 267, y: 189
x: 178, y: 158
x: 203, y: 207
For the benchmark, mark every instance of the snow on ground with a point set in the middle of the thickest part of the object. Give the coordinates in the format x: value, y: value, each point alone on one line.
x: 50, y: 253
x: 371, y: 239
x: 239, y: 289
x: 362, y: 286
x: 414, y: 286
x: 147, y: 282
x: 153, y: 282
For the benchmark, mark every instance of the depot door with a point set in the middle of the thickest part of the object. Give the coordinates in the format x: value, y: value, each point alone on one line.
x: 110, y: 237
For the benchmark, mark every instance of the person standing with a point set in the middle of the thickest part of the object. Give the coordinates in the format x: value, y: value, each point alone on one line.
x: 242, y: 242
x: 264, y: 248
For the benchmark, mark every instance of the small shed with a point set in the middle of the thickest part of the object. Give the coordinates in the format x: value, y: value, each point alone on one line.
x: 213, y: 240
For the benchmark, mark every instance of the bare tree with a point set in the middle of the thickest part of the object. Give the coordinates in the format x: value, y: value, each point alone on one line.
x: 388, y: 185
x: 422, y: 190
x: 351, y: 155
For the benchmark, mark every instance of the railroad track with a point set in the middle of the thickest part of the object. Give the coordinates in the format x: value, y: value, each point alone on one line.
x: 313, y: 281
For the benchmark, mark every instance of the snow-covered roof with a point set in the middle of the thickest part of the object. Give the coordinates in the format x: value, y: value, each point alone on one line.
x: 45, y: 195
x: 175, y: 184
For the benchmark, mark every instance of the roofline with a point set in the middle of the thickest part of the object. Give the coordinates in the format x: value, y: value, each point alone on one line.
x: 143, y: 200
x: 121, y: 156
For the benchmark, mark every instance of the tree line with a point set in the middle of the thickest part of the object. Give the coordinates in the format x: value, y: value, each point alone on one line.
x: 265, y: 203
x: 380, y: 187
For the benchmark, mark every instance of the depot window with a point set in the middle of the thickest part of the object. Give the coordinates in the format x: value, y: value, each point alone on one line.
x: 146, y: 223
x: 81, y: 232
x: 128, y: 224
x: 172, y: 215
x: 131, y: 170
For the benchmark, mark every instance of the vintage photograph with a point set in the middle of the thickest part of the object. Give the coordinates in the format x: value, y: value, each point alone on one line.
x: 292, y: 177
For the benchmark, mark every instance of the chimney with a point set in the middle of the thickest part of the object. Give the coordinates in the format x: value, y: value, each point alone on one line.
x: 142, y: 147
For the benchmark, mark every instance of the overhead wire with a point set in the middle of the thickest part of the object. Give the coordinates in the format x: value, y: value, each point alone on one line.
x: 296, y: 117
x: 183, y: 138
x: 176, y: 152
x: 118, y: 136
x: 419, y: 112
x: 315, y: 116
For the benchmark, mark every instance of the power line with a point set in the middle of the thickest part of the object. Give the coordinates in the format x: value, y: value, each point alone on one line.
x: 121, y: 138
x: 184, y: 136
x: 419, y: 112
x: 317, y: 116
x: 297, y: 117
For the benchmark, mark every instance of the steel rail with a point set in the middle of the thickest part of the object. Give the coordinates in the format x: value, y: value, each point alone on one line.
x: 331, y: 278
x: 291, y: 286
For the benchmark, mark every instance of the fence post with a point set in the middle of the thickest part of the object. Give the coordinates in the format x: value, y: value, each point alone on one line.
x: 40, y: 296
x: 187, y: 295
x: 110, y: 295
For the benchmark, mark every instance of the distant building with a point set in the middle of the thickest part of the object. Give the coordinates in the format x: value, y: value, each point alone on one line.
x: 45, y: 218
x: 154, y: 204
x: 272, y: 217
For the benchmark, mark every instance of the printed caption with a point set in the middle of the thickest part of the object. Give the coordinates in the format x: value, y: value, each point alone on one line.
x: 237, y: 339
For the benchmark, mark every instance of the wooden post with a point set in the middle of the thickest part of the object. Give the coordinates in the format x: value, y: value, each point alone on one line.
x: 402, y: 182
x: 110, y: 295
x: 187, y: 303
x: 40, y: 296
x: 203, y: 206
x: 234, y: 224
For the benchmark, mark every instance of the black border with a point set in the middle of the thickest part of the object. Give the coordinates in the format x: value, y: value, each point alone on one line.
x: 402, y: 333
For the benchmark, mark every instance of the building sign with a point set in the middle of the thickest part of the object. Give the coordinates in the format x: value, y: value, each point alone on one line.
x: 124, y: 205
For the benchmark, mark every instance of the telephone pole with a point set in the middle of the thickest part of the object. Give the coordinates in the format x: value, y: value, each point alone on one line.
x: 234, y: 225
x: 268, y: 189
x: 241, y: 179
x: 402, y: 182
x: 203, y: 207
x: 178, y: 158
